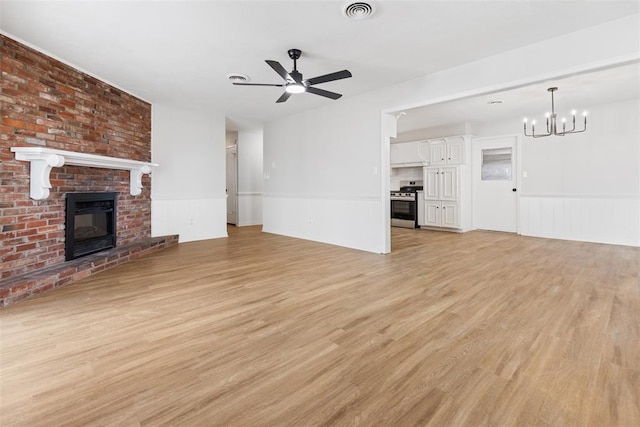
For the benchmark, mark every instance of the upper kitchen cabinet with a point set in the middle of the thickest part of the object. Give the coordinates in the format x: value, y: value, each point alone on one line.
x: 449, y: 150
x: 408, y: 154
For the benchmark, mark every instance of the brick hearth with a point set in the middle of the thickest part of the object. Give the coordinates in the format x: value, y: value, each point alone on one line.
x: 34, y: 283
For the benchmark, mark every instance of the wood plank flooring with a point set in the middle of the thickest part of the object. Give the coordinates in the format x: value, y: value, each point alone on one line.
x: 262, y: 330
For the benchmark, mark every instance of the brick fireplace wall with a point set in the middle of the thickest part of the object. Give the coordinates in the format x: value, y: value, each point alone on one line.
x: 47, y: 103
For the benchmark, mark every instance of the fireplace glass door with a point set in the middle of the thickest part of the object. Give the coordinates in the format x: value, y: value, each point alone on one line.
x: 90, y: 223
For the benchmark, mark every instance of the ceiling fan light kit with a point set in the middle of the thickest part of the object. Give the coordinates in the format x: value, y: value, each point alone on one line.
x: 295, y: 88
x: 294, y: 82
x: 552, y: 122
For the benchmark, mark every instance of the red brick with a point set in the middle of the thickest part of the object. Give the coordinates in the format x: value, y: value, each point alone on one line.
x: 25, y: 247
x: 13, y: 257
x: 36, y: 224
x: 12, y: 123
x: 42, y: 289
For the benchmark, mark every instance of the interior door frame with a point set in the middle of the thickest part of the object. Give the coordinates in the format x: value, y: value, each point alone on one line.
x: 234, y: 151
x: 518, y: 176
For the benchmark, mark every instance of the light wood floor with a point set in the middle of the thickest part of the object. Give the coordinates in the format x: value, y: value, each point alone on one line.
x: 449, y: 330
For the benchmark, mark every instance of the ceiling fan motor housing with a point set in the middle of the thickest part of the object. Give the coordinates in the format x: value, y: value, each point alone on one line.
x: 294, y: 54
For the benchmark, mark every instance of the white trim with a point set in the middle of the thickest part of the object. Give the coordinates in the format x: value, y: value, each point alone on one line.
x: 581, y: 196
x: 247, y: 193
x: 44, y: 159
x: 319, y: 197
x: 388, y: 130
x: 187, y: 196
x: 249, y: 224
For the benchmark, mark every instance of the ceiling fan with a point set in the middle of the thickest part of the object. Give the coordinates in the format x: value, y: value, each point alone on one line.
x: 294, y: 82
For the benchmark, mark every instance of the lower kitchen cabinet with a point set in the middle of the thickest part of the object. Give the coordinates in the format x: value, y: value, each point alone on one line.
x: 441, y: 214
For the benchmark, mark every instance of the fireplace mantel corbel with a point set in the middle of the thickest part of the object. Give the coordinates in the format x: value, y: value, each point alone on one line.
x: 44, y: 159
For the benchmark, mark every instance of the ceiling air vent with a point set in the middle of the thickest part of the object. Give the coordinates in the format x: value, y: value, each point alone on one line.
x: 238, y: 78
x: 358, y: 10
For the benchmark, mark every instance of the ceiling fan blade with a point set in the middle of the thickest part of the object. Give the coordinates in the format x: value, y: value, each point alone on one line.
x: 323, y: 92
x: 284, y: 97
x: 279, y: 69
x: 344, y: 74
x: 257, y: 84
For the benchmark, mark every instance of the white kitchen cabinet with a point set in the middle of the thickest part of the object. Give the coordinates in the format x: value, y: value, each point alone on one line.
x: 447, y: 197
x: 441, y: 183
x: 406, y: 154
x: 450, y: 214
x: 432, y: 215
x: 455, y: 151
x: 448, y: 178
x: 441, y: 214
x: 447, y: 151
x: 437, y: 152
x: 431, y: 183
x: 447, y: 184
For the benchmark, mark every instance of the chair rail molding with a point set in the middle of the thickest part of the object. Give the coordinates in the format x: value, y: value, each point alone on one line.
x: 44, y: 159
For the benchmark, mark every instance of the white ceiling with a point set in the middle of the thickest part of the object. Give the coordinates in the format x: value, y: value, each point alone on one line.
x: 180, y: 51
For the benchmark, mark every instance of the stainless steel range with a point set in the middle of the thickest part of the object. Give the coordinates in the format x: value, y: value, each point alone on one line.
x: 404, y: 204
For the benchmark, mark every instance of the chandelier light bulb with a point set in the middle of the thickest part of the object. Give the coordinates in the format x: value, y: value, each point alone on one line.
x: 573, y: 112
x: 525, y: 120
x: 533, y: 122
x: 584, y: 113
x: 547, y: 115
x: 564, y: 120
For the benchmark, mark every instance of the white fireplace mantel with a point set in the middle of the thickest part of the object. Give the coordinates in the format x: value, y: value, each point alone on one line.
x: 44, y: 159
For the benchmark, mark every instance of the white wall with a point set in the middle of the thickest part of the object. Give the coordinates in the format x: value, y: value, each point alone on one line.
x: 321, y: 165
x: 322, y: 175
x: 405, y: 174
x: 188, y: 189
x: 250, y: 179
x: 603, y: 160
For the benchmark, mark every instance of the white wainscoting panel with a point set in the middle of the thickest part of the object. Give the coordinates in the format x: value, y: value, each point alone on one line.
x: 354, y: 223
x: 249, y: 209
x: 600, y: 219
x: 193, y: 219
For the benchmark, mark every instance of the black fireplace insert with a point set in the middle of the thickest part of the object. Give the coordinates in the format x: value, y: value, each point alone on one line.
x: 90, y: 224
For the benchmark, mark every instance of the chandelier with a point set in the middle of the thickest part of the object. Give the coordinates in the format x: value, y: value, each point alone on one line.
x: 552, y: 122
